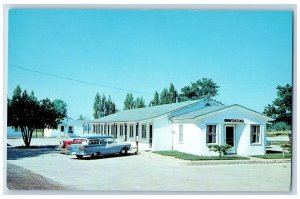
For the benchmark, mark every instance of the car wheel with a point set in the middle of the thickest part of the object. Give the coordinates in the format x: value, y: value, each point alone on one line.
x: 95, y: 155
x: 79, y: 156
x: 123, y: 151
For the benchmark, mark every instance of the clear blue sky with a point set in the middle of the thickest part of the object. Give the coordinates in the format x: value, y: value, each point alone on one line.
x: 247, y: 53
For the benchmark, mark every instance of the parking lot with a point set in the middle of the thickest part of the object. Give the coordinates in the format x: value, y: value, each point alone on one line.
x: 148, y: 172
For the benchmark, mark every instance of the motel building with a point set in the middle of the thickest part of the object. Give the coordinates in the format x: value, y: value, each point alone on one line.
x: 188, y: 127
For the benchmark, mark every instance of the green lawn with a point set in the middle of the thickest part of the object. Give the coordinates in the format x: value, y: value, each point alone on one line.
x: 186, y: 156
x: 274, y: 156
x: 279, y: 142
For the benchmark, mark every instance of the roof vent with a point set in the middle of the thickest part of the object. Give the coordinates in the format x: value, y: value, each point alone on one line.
x: 207, y: 104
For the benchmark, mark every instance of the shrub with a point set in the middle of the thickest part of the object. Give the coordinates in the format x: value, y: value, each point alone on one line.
x: 281, y: 126
x: 221, y: 149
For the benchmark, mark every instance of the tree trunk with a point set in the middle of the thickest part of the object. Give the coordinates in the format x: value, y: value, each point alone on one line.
x: 27, y: 134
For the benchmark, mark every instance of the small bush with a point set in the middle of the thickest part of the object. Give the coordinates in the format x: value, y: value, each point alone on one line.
x: 221, y: 149
x: 285, y: 145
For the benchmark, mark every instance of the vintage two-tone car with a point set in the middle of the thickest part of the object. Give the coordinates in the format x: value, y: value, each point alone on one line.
x: 97, y: 145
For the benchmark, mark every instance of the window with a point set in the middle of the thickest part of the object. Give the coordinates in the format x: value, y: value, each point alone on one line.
x: 211, y: 134
x: 180, y: 133
x: 94, y: 128
x: 121, y: 129
x: 96, y: 141
x: 70, y: 129
x: 255, y: 134
x: 143, y: 131
x: 105, y: 129
x: 62, y: 128
x: 108, y: 126
x: 131, y: 131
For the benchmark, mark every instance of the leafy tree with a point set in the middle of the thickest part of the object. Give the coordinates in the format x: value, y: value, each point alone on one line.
x: 129, y: 102
x: 139, y: 103
x: 202, y: 88
x: 110, y: 106
x: 172, y: 94
x: 60, y: 106
x: 103, y: 107
x: 155, y: 101
x: 97, y: 106
x: 281, y: 108
x: 28, y: 113
x: 164, y: 96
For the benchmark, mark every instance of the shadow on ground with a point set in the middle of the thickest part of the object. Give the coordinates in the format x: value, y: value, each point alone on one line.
x: 19, y: 178
x: 104, y: 157
x: 15, y: 153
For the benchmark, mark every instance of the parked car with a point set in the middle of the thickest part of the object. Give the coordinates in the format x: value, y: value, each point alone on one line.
x: 63, y: 144
x: 97, y: 145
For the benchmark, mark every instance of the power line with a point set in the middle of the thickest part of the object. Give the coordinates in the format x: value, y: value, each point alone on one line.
x: 80, y: 81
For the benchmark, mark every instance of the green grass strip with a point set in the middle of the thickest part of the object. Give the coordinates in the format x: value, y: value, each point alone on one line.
x: 187, y: 156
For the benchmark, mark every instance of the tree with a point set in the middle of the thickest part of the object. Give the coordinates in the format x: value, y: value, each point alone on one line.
x: 281, y: 107
x: 139, y: 103
x: 97, y: 106
x: 155, y: 101
x: 129, y: 102
x: 202, y: 88
x: 103, y: 107
x: 110, y: 106
x: 28, y: 113
x: 164, y: 96
x: 60, y: 106
x: 172, y: 94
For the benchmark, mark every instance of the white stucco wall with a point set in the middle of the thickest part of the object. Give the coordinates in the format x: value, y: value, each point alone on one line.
x: 53, y: 133
x: 194, y: 140
x: 195, y: 132
x: 77, y: 131
x: 162, y: 134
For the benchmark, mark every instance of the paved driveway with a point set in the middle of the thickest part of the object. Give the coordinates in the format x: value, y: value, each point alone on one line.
x: 149, y: 172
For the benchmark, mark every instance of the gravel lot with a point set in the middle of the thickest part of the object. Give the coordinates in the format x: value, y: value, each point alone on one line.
x: 147, y: 172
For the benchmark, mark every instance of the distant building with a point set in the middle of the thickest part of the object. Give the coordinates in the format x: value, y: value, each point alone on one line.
x: 13, y: 132
x: 67, y: 128
x: 190, y: 127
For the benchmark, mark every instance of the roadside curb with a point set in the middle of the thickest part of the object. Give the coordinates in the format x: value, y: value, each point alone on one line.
x: 224, y: 162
